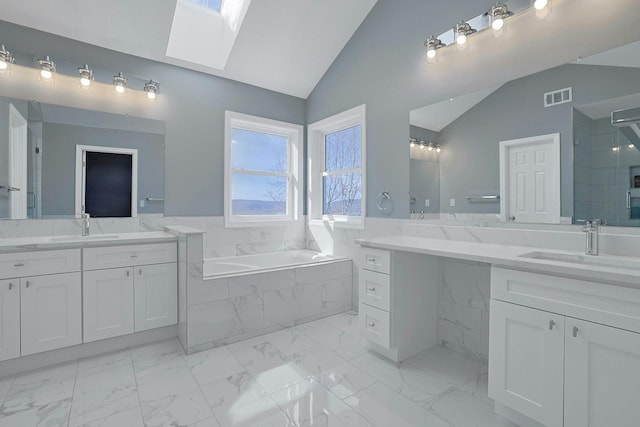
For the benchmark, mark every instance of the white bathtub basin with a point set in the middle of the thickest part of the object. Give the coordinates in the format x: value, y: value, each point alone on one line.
x: 603, y: 261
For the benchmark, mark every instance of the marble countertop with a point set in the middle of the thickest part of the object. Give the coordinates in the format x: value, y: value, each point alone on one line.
x: 73, y: 241
x: 512, y: 257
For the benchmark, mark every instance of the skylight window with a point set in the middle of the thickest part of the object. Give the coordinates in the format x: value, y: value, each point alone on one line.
x: 210, y: 4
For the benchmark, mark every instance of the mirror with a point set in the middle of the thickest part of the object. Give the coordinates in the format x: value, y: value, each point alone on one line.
x: 56, y: 162
x: 561, y: 157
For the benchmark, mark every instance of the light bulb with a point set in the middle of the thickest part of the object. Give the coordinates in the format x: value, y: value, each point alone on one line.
x: 497, y: 24
x: 430, y: 148
x: 3, y: 65
x: 438, y: 149
x: 412, y: 144
x: 462, y: 39
x: 615, y: 148
x: 540, y: 4
x: 422, y: 146
x: 631, y: 146
x: 151, y: 95
x: 46, y: 74
x: 85, y: 82
x: 431, y: 53
x: 120, y: 89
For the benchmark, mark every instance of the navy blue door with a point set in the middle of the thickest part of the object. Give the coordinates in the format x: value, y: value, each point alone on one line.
x: 108, y: 184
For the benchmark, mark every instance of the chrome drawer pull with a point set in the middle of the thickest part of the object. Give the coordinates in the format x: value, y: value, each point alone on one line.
x: 127, y: 273
x: 372, y: 260
x: 18, y: 265
x: 551, y: 325
x: 575, y: 332
x: 372, y: 289
x: 10, y: 286
x: 28, y: 283
x: 371, y: 325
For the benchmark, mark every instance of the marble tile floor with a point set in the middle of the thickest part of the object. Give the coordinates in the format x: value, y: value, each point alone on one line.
x: 315, y: 374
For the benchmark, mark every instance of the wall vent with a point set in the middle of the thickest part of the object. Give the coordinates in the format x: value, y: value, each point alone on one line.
x: 557, y: 97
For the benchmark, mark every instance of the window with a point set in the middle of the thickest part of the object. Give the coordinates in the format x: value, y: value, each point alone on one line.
x: 262, y: 163
x: 337, y: 169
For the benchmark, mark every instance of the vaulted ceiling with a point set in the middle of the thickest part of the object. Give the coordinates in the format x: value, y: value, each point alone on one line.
x: 281, y: 45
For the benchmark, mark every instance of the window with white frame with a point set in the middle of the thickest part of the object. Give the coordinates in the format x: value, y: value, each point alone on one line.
x: 263, y: 160
x: 337, y: 157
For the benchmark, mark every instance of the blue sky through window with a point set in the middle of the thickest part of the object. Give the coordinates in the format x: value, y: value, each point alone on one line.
x: 210, y: 4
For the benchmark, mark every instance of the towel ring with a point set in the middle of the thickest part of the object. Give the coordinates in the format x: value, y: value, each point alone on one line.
x: 384, y: 202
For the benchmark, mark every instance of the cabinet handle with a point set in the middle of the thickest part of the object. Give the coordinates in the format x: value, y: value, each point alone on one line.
x: 128, y: 273
x: 575, y: 332
x: 18, y: 265
x: 551, y: 325
x: 134, y: 256
x: 372, y: 260
x: 10, y: 286
x: 371, y: 325
x: 140, y: 272
x: 28, y: 283
x: 372, y: 289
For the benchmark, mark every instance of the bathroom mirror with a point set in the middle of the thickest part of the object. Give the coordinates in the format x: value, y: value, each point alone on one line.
x: 596, y: 173
x: 56, y: 162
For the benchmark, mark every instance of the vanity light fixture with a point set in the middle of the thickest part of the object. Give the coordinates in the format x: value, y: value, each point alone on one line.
x: 498, y: 13
x: 433, y: 44
x: 152, y: 88
x: 120, y: 82
x: 438, y: 149
x: 412, y: 142
x: 86, y: 75
x: 632, y: 146
x: 422, y: 145
x: 462, y: 31
x: 540, y: 4
x: 430, y: 147
x: 6, y: 58
x: 616, y: 148
x: 47, y: 67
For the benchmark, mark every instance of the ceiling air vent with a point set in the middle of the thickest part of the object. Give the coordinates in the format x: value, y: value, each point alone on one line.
x: 557, y: 97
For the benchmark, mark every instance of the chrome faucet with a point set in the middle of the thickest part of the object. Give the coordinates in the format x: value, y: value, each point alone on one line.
x: 84, y: 217
x: 592, y: 230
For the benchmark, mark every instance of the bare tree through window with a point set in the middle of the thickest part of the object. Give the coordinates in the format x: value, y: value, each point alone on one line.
x: 343, y: 174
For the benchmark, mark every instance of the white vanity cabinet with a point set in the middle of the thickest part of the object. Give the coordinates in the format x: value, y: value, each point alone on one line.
x: 564, y: 352
x: 9, y: 318
x: 41, y: 301
x: 129, y: 289
x: 398, y: 295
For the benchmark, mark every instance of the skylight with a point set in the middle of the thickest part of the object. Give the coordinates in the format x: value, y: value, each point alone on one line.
x: 210, y: 4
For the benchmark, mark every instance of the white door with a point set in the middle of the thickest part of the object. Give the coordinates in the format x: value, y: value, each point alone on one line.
x: 602, y: 376
x: 9, y: 319
x: 156, y: 296
x: 526, y: 358
x: 530, y: 179
x: 107, y: 307
x: 50, y: 312
x: 17, y: 164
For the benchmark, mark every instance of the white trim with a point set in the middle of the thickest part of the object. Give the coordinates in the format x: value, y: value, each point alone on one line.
x: 294, y: 134
x: 316, y: 133
x: 80, y: 174
x: 17, y: 135
x: 504, y: 172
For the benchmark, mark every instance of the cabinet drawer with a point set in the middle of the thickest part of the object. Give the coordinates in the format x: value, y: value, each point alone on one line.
x: 123, y: 256
x: 603, y: 303
x: 375, y: 260
x: 375, y: 289
x: 375, y: 325
x: 21, y: 264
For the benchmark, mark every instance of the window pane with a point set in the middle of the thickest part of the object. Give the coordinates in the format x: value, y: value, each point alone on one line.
x: 342, y: 194
x: 258, y: 151
x: 343, y: 149
x: 258, y: 195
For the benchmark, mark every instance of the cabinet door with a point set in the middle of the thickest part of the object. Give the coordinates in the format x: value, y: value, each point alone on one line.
x: 107, y: 303
x: 602, y: 375
x: 50, y: 312
x: 526, y: 357
x: 156, y: 296
x: 10, y: 318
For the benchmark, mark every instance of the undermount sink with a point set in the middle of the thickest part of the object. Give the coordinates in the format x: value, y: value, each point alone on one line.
x: 83, y: 238
x: 603, y: 261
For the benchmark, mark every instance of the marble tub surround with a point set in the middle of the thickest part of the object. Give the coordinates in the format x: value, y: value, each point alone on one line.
x: 225, y: 310
x: 294, y: 377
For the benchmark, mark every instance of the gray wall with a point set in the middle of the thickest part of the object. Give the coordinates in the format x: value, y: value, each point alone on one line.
x: 191, y: 104
x: 470, y: 162
x: 59, y: 158
x: 582, y: 147
x: 424, y: 173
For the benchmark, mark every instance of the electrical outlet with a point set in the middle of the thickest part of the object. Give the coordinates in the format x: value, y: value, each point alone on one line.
x: 142, y: 203
x: 452, y: 202
x: 427, y: 203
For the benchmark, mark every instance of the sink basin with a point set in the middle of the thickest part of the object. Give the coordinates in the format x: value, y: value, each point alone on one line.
x: 83, y: 238
x: 603, y: 261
